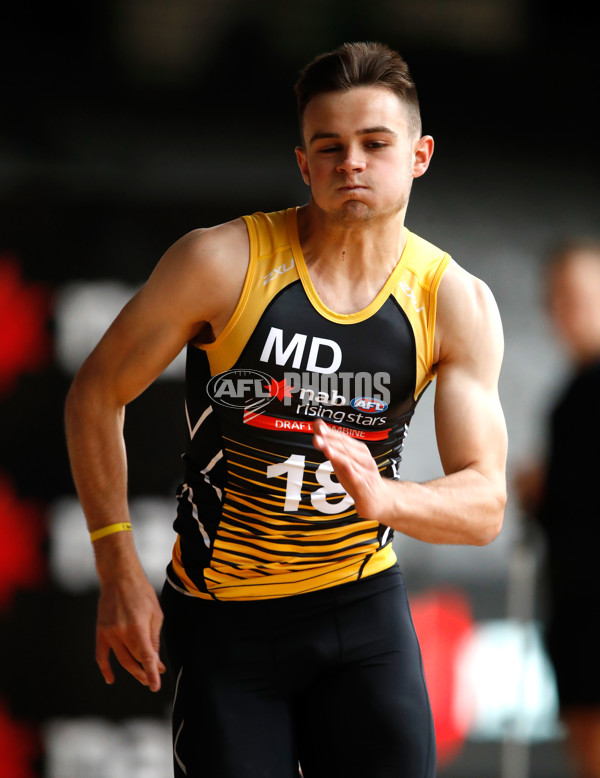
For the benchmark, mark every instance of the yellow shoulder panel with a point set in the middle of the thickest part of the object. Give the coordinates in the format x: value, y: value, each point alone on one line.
x: 271, y: 268
x: 416, y: 292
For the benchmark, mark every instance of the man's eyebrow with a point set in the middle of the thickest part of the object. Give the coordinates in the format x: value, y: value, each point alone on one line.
x: 379, y: 129
x: 367, y: 131
x: 322, y: 135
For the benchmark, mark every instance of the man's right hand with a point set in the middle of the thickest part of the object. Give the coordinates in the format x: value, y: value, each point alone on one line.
x: 129, y: 623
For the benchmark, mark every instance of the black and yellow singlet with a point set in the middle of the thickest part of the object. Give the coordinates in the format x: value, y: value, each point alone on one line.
x: 261, y: 514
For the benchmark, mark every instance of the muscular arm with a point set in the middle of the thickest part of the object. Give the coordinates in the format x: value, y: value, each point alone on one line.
x: 466, y: 505
x: 194, y: 288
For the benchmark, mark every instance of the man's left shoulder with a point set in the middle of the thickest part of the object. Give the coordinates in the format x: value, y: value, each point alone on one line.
x: 467, y: 311
x: 460, y: 286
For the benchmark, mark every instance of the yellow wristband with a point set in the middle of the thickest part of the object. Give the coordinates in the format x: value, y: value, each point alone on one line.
x: 121, y: 526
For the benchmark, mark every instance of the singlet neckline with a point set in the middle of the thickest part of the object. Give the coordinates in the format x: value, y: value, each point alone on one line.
x: 311, y: 292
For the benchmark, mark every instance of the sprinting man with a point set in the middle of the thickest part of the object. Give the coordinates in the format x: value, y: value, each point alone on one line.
x: 311, y: 333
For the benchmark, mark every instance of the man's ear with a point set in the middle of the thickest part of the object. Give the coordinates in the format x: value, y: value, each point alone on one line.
x: 303, y: 164
x: 423, y: 151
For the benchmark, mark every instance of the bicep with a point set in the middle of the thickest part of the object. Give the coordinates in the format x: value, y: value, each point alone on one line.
x: 470, y: 426
x: 141, y: 342
x: 197, y: 282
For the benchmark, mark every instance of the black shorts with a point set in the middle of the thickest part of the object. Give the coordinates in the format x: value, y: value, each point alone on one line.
x: 332, y: 680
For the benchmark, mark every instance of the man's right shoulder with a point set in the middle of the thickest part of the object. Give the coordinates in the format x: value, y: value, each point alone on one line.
x: 226, y: 243
x: 202, y: 274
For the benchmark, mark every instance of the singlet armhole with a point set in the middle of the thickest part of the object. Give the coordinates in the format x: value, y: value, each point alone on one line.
x: 431, y: 324
x: 245, y: 293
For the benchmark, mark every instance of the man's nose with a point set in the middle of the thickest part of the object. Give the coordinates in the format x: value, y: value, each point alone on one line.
x: 352, y: 161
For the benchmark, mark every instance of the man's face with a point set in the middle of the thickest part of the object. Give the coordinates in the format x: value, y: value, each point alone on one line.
x: 359, y: 156
x: 574, y: 302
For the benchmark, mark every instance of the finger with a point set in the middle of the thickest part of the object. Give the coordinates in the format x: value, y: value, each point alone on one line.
x: 330, y: 434
x: 353, y: 464
x: 150, y: 660
x: 102, y: 658
x: 147, y: 654
x: 128, y: 661
x: 318, y: 434
x: 156, y: 627
x: 349, y: 473
x: 151, y: 664
x: 340, y: 448
x: 328, y: 440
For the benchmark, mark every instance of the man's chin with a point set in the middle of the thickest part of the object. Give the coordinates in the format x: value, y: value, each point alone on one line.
x: 355, y: 210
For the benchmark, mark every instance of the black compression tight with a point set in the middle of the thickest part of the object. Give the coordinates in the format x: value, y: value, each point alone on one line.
x: 331, y: 679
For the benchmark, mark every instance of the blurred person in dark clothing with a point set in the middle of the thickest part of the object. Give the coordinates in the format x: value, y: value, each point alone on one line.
x: 563, y: 494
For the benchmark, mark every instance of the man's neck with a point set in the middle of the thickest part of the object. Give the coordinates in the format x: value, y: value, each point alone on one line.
x: 349, y: 260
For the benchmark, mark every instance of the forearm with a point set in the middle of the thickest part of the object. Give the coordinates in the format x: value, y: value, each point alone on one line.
x: 465, y: 508
x: 129, y: 616
x: 94, y: 429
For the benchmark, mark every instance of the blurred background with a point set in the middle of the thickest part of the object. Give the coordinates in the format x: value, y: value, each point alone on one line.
x: 127, y: 123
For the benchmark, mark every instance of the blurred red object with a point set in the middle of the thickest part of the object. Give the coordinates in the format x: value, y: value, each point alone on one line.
x: 24, y: 312
x: 19, y: 747
x: 22, y: 558
x: 443, y: 622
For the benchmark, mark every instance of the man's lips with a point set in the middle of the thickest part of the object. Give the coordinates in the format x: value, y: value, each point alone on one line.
x: 351, y: 188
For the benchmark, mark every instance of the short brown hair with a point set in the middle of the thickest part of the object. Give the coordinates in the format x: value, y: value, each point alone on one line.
x: 562, y: 250
x: 359, y: 64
